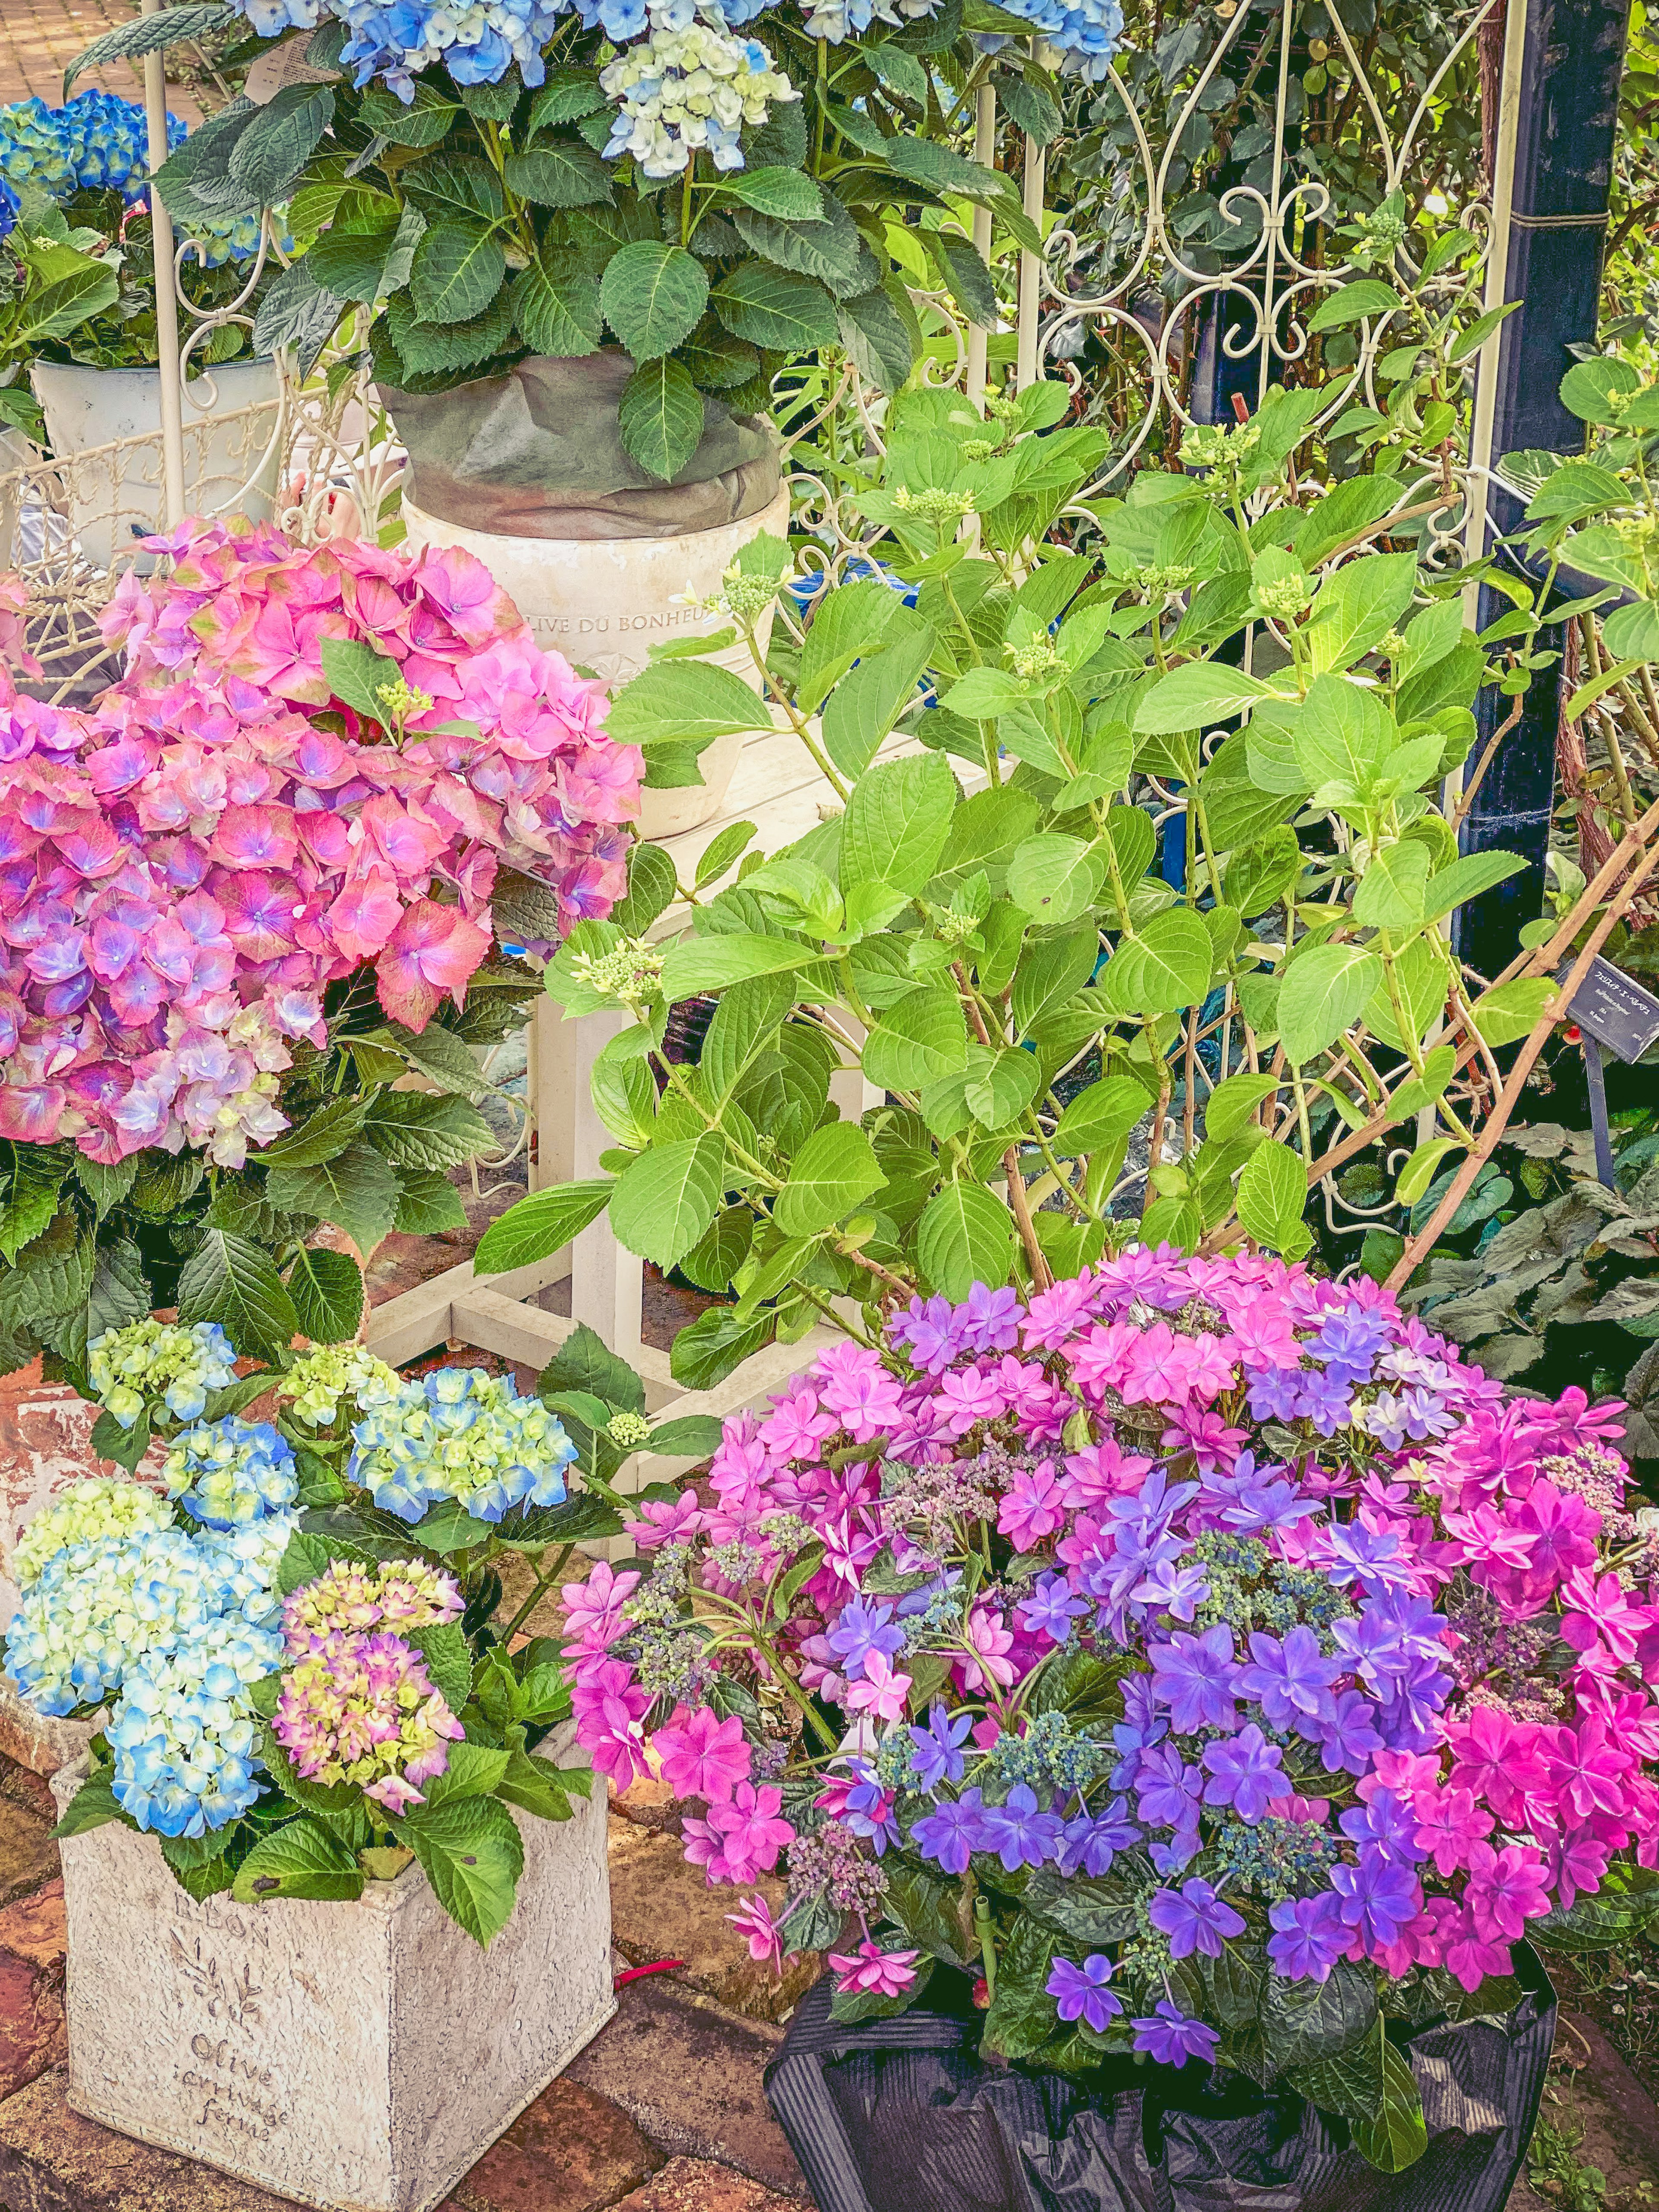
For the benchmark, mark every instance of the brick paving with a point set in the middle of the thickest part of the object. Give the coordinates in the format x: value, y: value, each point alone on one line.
x: 39, y: 38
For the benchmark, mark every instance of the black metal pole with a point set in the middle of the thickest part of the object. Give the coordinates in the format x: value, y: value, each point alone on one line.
x: 1572, y: 65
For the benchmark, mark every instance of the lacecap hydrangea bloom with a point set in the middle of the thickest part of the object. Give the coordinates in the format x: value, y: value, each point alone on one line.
x: 93, y: 142
x: 178, y: 1361
x: 362, y: 1709
x: 1307, y: 1700
x: 245, y: 1559
x: 680, y: 93
x: 98, y: 1607
x: 189, y: 865
x: 463, y: 1434
x: 184, y: 1732
x: 315, y: 1385
x: 229, y: 1472
x: 93, y: 1512
x: 399, y: 1594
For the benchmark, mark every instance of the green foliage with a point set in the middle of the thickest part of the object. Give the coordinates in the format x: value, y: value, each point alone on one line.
x: 984, y: 928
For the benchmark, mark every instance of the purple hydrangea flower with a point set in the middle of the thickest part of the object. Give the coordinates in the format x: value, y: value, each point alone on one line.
x: 1196, y: 1676
x: 1349, y: 1342
x: 1090, y: 1843
x: 1050, y: 1609
x: 1170, y: 2039
x: 1290, y: 1679
x: 1378, y: 1898
x: 1310, y: 1936
x: 1387, y: 1825
x: 1173, y: 1589
x: 1080, y: 1992
x: 932, y: 1332
x: 1167, y: 1790
x: 952, y: 1835
x: 1020, y: 1833
x: 866, y: 1624
x: 1176, y: 1856
x: 936, y: 1748
x: 1347, y: 1734
x: 1246, y: 1772
x: 1193, y: 1918
x: 990, y: 1320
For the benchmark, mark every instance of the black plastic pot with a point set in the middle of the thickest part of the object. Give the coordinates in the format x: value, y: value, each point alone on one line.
x: 903, y: 2116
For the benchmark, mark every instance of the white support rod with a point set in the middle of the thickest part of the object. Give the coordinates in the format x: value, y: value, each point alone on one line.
x: 1498, y: 270
x: 985, y: 153
x: 166, y: 297
x: 1030, y: 270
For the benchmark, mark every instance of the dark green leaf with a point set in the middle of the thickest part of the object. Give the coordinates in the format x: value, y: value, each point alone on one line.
x: 275, y: 147
x: 472, y: 1855
x: 559, y: 174
x: 660, y: 417
x: 301, y: 1859
x: 230, y: 1280
x: 327, y: 1290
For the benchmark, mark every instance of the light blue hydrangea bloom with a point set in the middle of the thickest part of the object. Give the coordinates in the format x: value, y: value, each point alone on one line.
x: 88, y: 1511
x: 1086, y: 33
x: 245, y: 1560
x: 98, y: 1607
x: 464, y: 1435
x: 177, y: 1362
x: 93, y: 142
x: 232, y: 1472
x: 184, y: 1735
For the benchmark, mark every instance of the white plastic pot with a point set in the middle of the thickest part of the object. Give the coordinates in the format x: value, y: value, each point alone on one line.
x: 359, y: 2057
x: 104, y: 425
x: 604, y: 602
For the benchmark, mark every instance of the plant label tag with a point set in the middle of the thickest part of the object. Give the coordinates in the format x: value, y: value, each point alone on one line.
x: 278, y: 67
x: 1614, y: 1009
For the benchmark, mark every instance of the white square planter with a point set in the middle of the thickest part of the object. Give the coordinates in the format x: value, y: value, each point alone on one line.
x: 359, y: 2057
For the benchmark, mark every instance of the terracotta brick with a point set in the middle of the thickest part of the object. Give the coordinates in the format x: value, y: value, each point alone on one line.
x: 693, y: 2184
x: 34, y: 1928
x: 662, y: 1908
x: 571, y: 2151
x: 689, y: 2074
x: 31, y: 2037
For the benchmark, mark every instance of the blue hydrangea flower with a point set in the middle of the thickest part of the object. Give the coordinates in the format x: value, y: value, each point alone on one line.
x: 245, y: 1560
x: 185, y: 1734
x: 229, y: 1472
x: 95, y: 142
x: 464, y: 1436
x: 1169, y: 2037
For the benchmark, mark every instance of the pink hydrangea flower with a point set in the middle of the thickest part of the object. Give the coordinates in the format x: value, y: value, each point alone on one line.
x: 700, y: 1755
x: 872, y: 1972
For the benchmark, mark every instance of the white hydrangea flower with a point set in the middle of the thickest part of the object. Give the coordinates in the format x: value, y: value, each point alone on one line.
x: 178, y: 1361
x: 97, y: 1608
x: 682, y: 92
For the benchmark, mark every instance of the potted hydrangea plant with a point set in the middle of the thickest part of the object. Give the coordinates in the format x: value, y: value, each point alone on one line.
x: 589, y: 236
x: 332, y: 1803
x: 330, y: 782
x: 82, y: 348
x: 1193, y: 1682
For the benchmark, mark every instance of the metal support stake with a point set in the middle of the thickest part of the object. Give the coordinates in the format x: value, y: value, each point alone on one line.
x: 985, y: 153
x: 1561, y: 101
x: 166, y: 295
x: 1030, y: 271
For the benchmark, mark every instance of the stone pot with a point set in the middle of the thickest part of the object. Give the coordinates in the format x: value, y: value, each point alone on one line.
x: 358, y: 2057
x: 104, y: 425
x: 528, y: 471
